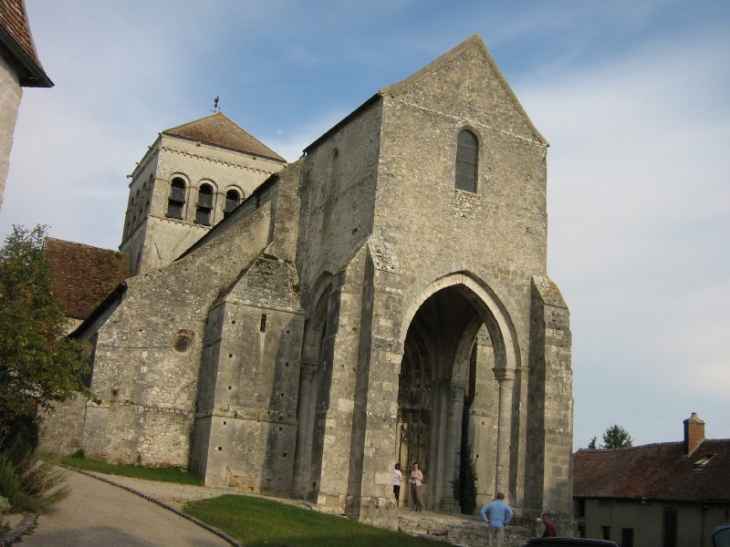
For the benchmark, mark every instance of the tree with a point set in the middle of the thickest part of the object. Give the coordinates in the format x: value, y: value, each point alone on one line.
x: 614, y: 437
x: 38, y: 364
x: 617, y: 437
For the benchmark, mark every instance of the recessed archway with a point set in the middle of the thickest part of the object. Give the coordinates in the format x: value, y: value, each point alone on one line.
x: 455, y: 389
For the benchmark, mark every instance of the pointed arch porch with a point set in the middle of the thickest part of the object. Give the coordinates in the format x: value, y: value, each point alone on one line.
x: 459, y: 354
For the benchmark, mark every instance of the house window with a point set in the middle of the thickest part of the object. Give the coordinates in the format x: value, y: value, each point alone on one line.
x: 205, y: 205
x: 627, y: 537
x: 669, y: 527
x: 176, y: 201
x: 467, y: 159
x: 232, y: 200
x: 606, y: 531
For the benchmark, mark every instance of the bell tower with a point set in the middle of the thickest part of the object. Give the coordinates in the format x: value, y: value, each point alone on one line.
x: 189, y: 180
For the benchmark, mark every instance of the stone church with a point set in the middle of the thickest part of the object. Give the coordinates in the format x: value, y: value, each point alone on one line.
x: 297, y: 328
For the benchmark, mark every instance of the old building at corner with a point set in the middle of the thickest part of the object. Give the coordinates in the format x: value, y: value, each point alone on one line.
x: 19, y: 67
x: 384, y: 299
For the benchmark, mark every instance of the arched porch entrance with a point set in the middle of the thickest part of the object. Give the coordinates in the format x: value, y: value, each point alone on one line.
x: 455, y: 392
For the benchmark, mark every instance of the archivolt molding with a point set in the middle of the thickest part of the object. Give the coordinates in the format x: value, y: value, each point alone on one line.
x: 488, y: 305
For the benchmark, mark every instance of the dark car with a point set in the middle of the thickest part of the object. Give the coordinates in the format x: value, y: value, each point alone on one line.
x: 721, y: 536
x: 570, y: 542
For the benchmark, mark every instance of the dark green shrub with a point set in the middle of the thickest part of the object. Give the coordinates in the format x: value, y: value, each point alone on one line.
x: 9, y: 481
x: 30, y: 485
x: 465, y: 483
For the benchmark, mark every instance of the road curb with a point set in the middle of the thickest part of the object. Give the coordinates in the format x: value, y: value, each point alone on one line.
x: 162, y: 504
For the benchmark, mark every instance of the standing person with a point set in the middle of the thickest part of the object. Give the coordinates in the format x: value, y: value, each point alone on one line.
x: 550, y: 530
x: 397, y: 479
x: 500, y: 515
x: 416, y: 482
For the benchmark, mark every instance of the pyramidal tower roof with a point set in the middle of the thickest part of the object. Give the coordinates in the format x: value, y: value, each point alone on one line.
x: 218, y: 130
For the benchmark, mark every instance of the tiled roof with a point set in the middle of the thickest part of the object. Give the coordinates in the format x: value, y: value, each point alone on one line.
x: 218, y: 130
x: 82, y: 275
x: 16, y: 44
x: 654, y: 471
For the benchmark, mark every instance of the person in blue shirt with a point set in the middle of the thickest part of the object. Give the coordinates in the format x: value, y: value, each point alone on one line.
x: 497, y: 514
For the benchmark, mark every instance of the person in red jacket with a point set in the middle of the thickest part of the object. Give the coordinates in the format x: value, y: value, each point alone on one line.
x: 550, y: 531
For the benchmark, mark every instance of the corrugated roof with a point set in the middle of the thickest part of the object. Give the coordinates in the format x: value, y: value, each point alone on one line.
x: 16, y: 43
x: 655, y: 471
x: 218, y: 130
x: 82, y: 276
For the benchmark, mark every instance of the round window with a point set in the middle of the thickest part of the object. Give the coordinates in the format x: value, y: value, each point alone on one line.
x: 183, y: 341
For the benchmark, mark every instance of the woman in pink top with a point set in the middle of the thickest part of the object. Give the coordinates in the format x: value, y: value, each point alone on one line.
x: 416, y: 482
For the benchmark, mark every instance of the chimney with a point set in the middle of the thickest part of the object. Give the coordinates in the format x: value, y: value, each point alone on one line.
x: 694, y: 433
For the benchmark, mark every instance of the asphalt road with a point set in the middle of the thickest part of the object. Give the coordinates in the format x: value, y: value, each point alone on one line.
x: 97, y: 514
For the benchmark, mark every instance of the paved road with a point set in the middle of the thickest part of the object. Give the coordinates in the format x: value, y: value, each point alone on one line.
x: 97, y: 514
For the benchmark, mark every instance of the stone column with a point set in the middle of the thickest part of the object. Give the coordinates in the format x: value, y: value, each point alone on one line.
x: 504, y: 421
x: 304, y: 429
x: 453, y: 446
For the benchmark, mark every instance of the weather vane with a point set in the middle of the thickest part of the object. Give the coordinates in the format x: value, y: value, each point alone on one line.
x: 216, y: 108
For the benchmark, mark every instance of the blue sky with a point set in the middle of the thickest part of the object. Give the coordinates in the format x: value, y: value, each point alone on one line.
x: 634, y: 98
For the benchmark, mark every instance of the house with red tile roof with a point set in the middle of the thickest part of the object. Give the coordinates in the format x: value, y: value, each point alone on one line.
x: 19, y: 67
x: 657, y: 495
x: 83, y: 276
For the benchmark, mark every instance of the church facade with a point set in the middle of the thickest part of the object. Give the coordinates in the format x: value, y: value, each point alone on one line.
x: 383, y: 299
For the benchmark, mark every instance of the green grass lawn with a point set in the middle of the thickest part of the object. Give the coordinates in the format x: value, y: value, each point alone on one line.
x: 162, y: 474
x: 257, y: 522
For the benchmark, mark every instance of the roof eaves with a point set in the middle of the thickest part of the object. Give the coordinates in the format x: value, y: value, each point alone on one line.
x: 343, y: 121
x: 276, y: 158
x: 114, y: 296
x: 30, y: 73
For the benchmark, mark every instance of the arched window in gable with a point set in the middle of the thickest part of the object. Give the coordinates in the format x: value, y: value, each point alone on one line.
x: 205, y: 205
x: 176, y: 201
x: 233, y: 198
x: 467, y: 160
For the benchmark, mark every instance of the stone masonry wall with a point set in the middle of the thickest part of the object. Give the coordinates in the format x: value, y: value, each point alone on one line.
x: 148, y: 352
x: 426, y: 229
x: 10, y: 94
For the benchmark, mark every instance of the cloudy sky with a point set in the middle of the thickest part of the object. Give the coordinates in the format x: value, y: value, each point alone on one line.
x: 634, y: 98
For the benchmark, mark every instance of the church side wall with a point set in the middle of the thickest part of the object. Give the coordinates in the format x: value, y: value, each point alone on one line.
x: 337, y: 209
x: 148, y: 352
x: 253, y: 416
x: 338, y: 188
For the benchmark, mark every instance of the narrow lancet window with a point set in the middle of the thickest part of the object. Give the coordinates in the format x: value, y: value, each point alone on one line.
x: 467, y: 160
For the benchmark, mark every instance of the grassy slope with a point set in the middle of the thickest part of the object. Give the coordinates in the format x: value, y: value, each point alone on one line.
x: 260, y: 522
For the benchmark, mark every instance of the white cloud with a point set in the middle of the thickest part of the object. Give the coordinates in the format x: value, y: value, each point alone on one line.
x: 639, y: 210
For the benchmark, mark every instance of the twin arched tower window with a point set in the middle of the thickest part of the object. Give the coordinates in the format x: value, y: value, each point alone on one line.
x: 467, y: 160
x: 233, y: 198
x: 205, y: 205
x: 176, y: 201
